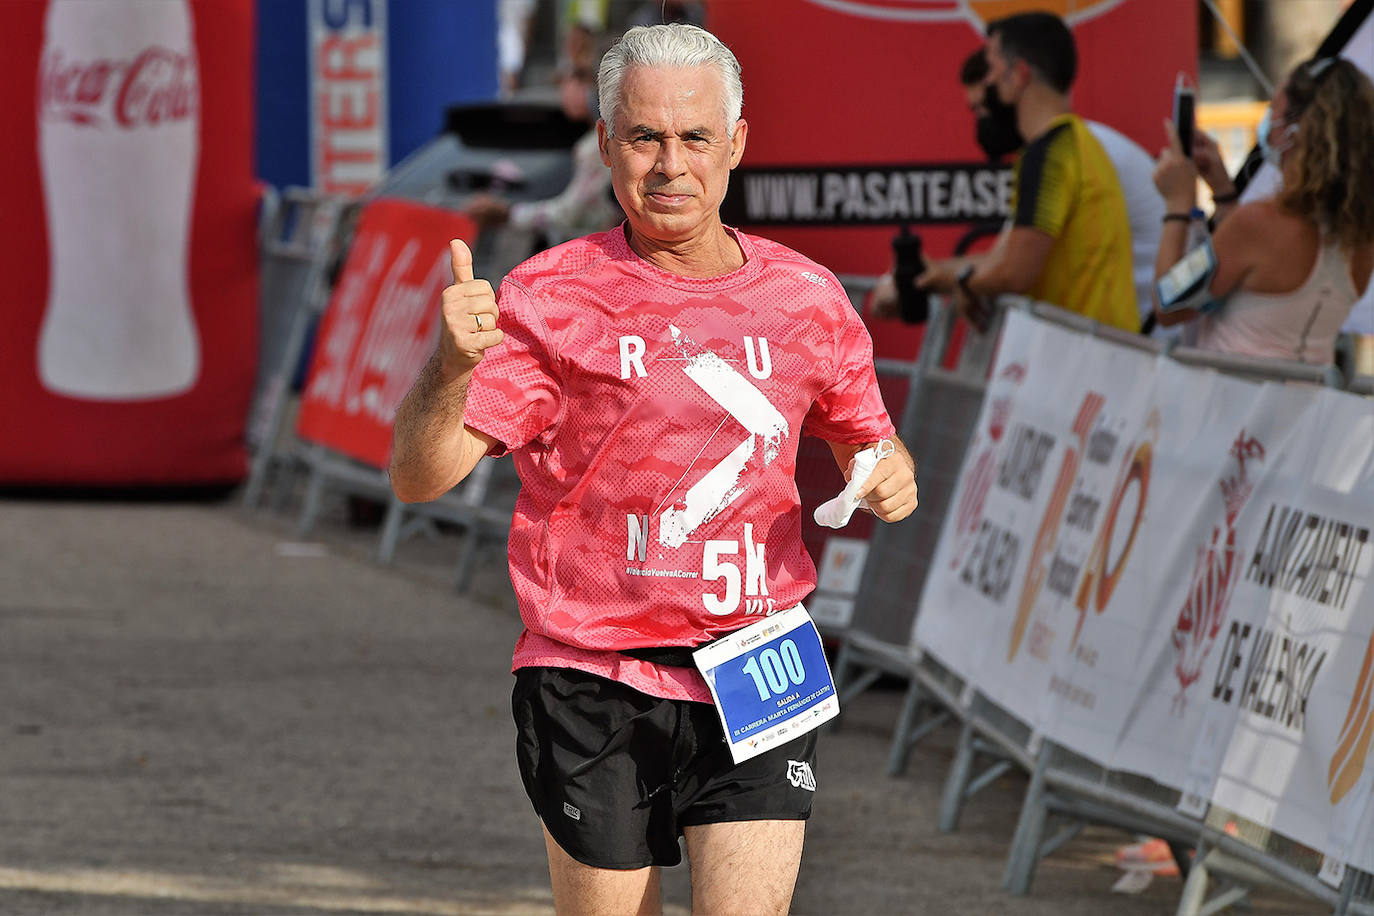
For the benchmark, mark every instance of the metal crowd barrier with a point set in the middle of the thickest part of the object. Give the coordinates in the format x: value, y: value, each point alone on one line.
x: 303, y: 237
x: 938, y: 417
x: 481, y: 507
x: 300, y: 239
x: 1362, y: 384
x: 1066, y: 791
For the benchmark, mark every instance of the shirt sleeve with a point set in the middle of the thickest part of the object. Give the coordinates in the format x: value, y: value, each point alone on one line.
x: 851, y: 410
x: 1046, y: 182
x: 516, y: 392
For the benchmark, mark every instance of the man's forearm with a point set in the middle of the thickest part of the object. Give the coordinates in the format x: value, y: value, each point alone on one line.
x: 427, y: 444
x: 1015, y: 263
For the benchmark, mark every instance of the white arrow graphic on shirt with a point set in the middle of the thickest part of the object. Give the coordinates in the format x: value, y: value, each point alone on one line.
x: 721, y: 485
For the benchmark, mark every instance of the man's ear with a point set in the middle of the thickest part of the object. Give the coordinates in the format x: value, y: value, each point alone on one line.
x: 602, y: 135
x: 1024, y: 74
x: 737, y: 141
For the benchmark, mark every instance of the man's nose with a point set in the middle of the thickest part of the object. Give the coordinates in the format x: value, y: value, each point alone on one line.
x: 671, y: 157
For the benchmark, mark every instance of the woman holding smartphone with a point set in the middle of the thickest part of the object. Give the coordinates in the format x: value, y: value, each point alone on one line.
x: 1288, y: 269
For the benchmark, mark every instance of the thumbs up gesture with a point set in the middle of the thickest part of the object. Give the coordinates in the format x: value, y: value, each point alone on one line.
x: 469, y: 315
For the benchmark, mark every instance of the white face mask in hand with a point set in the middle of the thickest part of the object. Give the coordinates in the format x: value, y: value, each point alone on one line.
x: 835, y: 513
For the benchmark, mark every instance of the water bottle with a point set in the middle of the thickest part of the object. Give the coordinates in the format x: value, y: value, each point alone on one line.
x: 906, y: 247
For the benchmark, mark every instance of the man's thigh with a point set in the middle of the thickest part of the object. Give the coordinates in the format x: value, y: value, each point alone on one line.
x: 583, y: 890
x: 744, y: 868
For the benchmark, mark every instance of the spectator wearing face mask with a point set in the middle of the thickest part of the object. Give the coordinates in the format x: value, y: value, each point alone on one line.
x: 1289, y: 269
x: 1134, y: 170
x: 1069, y: 240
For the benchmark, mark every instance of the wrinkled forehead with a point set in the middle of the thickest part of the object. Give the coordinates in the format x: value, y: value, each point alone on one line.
x: 671, y: 98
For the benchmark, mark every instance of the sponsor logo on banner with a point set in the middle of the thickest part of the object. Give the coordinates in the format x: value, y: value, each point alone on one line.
x: 1042, y: 548
x: 348, y: 94
x: 153, y: 85
x: 969, y: 512
x: 119, y: 149
x: 1309, y: 556
x: 386, y: 351
x: 1136, y: 471
x: 1213, y: 577
x: 977, y: 13
x: 1352, y: 748
x: 921, y: 194
x: 840, y: 570
x: 1270, y: 671
x: 842, y: 565
x: 379, y: 327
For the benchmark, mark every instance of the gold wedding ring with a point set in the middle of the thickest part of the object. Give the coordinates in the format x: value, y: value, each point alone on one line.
x: 478, y: 319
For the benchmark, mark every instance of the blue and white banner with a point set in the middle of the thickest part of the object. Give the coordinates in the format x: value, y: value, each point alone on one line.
x: 348, y: 88
x: 348, y: 94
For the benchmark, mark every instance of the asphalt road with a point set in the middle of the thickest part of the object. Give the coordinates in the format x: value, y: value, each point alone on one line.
x: 200, y: 715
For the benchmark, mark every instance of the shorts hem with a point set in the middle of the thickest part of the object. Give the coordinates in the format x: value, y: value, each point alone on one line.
x: 605, y: 866
x: 740, y: 818
x: 583, y: 859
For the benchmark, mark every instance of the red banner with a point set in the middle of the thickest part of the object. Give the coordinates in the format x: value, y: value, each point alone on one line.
x: 862, y: 124
x: 131, y: 260
x: 380, y: 328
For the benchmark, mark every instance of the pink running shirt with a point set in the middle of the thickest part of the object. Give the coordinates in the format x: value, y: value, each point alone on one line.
x: 653, y: 421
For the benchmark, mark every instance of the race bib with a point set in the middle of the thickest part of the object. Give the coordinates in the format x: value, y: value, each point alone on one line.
x: 770, y: 682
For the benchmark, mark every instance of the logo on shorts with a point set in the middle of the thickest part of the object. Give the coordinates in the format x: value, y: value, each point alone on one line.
x: 570, y: 811
x: 800, y: 775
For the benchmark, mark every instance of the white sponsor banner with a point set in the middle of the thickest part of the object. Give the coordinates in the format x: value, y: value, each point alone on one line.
x: 1298, y: 757
x: 976, y: 561
x: 1027, y: 552
x: 1219, y: 438
x: 1163, y: 569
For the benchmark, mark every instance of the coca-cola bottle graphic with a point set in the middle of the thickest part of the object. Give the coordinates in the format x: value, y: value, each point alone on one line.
x: 118, y: 143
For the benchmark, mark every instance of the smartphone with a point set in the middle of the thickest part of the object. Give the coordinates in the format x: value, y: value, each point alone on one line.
x: 1185, y: 97
x: 1186, y: 284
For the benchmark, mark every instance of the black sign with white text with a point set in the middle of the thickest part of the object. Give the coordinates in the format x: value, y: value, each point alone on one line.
x: 868, y: 194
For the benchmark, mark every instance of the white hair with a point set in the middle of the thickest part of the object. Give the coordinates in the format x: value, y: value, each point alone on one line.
x: 673, y: 46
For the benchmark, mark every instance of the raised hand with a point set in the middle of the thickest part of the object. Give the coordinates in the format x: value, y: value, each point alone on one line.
x: 1175, y: 175
x: 1207, y: 158
x: 469, y: 316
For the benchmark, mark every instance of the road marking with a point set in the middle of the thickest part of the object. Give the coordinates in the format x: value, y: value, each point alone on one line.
x: 216, y: 889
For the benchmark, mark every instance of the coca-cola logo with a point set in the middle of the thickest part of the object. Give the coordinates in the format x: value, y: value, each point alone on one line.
x: 155, y: 86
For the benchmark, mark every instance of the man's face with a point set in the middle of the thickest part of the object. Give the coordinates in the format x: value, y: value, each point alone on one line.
x: 670, y: 151
x: 1003, y: 73
x: 974, y: 94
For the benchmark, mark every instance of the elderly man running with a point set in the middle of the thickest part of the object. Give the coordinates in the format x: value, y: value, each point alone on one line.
x: 651, y: 383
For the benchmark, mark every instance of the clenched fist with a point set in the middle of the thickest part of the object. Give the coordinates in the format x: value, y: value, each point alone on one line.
x: 469, y: 316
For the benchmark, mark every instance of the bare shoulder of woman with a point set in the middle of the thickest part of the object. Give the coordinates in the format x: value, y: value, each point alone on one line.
x: 1274, y: 247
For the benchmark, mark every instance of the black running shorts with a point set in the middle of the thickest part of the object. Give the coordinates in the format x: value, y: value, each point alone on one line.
x: 616, y: 774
